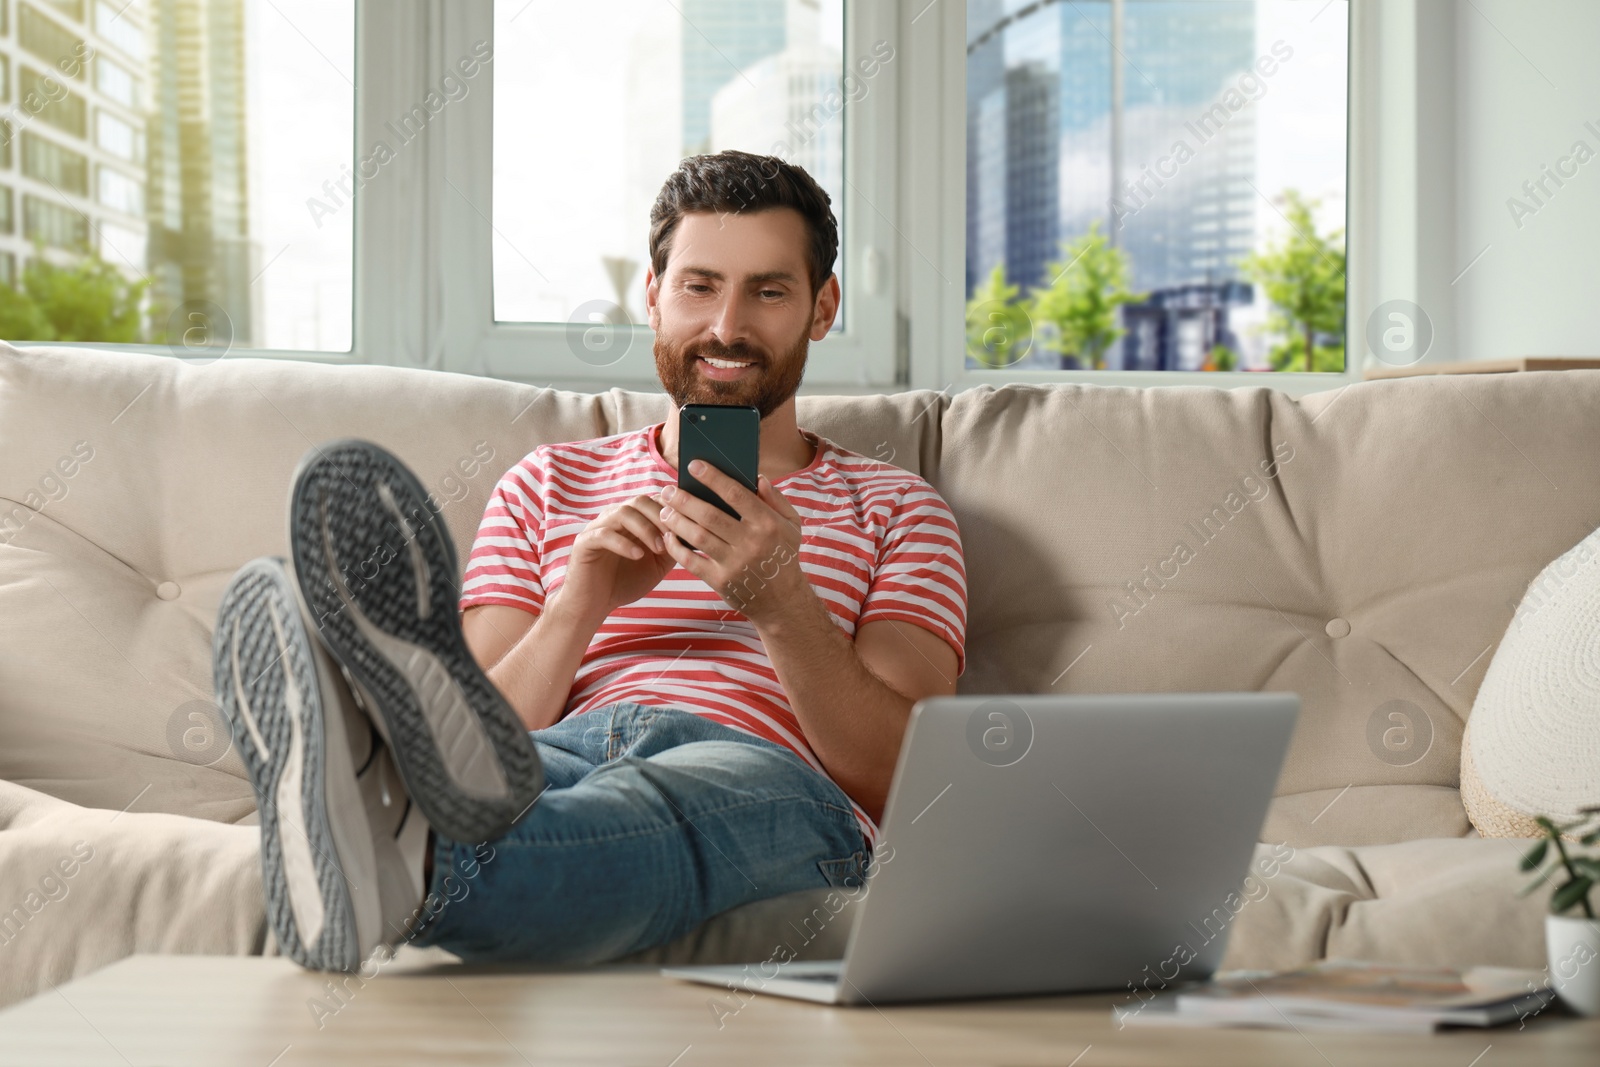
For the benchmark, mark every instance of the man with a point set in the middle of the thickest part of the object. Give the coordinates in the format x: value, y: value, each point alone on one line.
x: 648, y: 712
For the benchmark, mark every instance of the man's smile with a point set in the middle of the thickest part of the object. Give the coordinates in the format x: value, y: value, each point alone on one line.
x: 722, y: 370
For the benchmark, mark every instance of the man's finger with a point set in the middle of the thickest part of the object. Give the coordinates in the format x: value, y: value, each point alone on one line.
x: 704, y: 513
x: 686, y: 557
x: 648, y: 529
x: 737, y: 496
x: 693, y: 534
x: 776, y: 500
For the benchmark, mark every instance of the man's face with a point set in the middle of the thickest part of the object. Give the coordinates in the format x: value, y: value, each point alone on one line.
x: 734, y: 313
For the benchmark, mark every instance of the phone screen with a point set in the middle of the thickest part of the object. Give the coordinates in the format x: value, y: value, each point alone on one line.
x: 726, y: 436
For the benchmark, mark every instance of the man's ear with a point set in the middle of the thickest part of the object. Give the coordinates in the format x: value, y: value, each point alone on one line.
x: 652, y: 292
x: 826, y: 308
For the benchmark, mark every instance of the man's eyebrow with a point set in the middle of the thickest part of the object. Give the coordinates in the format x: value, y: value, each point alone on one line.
x: 754, y: 279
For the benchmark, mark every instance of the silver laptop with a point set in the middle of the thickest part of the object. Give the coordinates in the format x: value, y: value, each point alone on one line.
x: 1039, y: 844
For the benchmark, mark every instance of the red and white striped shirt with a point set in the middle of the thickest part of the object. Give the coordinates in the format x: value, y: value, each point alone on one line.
x: 877, y: 543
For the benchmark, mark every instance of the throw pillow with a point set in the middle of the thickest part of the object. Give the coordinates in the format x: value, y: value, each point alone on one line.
x: 1532, y: 744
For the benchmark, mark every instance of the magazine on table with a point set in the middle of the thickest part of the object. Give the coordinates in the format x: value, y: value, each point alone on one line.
x: 1350, y: 995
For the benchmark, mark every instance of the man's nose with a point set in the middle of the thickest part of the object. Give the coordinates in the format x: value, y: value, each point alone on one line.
x: 731, y: 322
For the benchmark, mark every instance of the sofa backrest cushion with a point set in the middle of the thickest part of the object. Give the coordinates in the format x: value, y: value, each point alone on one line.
x: 1364, y: 548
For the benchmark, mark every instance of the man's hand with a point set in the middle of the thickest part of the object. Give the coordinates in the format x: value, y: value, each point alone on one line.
x: 617, y: 558
x: 752, y: 562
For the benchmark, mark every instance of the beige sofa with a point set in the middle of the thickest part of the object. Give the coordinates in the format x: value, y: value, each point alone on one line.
x: 1371, y: 568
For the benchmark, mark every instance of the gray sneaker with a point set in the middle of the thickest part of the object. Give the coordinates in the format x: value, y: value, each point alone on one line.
x: 377, y: 570
x: 342, y: 847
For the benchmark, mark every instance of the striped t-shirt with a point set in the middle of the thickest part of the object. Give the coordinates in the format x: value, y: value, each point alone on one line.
x: 877, y: 542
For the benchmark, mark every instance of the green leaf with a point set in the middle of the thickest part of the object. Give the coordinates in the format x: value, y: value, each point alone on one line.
x: 1591, y: 837
x: 1570, y: 894
x: 1588, y: 866
x: 1535, y: 855
x: 1544, y: 821
x: 1303, y: 278
x: 1544, y: 876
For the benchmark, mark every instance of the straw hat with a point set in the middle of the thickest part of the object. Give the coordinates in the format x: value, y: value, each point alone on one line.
x: 1532, y: 745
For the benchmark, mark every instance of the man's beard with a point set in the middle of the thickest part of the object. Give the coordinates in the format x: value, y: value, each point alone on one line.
x: 771, y: 382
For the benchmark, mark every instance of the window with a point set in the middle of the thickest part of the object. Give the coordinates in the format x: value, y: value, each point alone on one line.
x: 809, y: 80
x: 211, y: 180
x: 116, y: 81
x: 119, y: 138
x: 122, y: 245
x: 721, y: 74
x: 508, y: 154
x: 119, y: 192
x: 46, y: 97
x: 116, y: 24
x: 72, y: 9
x: 8, y: 269
x: 8, y: 222
x: 61, y: 168
x: 53, y: 224
x: 1144, y: 175
x: 49, y: 40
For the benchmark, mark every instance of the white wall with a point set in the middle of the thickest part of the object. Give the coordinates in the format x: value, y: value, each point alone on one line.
x: 1502, y: 89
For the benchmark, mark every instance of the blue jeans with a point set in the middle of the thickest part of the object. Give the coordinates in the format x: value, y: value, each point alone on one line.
x: 653, y: 820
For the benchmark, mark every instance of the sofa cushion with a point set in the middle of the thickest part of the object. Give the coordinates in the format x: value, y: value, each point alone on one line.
x: 86, y: 887
x: 1363, y: 548
x: 1533, y: 744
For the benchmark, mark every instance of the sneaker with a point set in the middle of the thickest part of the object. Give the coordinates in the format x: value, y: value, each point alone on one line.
x: 341, y: 850
x: 377, y: 570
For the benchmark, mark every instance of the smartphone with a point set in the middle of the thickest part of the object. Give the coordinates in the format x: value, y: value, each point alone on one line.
x: 727, y: 436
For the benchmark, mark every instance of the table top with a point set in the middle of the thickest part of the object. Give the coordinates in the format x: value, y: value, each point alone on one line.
x: 267, y: 1012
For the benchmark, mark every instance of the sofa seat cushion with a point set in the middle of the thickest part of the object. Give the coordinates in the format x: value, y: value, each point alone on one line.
x: 1450, y: 902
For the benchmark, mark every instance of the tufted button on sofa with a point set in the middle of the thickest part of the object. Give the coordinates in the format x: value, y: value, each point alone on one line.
x: 1364, y: 548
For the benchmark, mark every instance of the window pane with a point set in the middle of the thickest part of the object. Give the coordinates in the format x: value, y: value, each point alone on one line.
x: 573, y: 184
x: 119, y: 192
x: 127, y: 34
x: 46, y: 38
x: 195, y: 155
x: 122, y: 139
x: 48, y: 99
x: 1145, y: 178
x: 116, y: 81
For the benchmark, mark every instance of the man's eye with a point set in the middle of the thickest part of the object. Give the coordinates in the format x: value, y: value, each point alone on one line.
x: 693, y: 288
x: 772, y: 292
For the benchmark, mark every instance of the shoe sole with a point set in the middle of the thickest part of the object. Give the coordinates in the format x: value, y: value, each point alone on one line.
x: 378, y: 573
x: 266, y: 684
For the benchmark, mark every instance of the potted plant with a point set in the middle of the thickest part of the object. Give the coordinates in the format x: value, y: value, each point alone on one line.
x: 1572, y: 933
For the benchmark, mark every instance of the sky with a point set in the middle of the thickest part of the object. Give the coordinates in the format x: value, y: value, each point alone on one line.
x: 300, y: 106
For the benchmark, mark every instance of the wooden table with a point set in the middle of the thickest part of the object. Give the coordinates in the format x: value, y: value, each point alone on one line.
x: 167, y: 1011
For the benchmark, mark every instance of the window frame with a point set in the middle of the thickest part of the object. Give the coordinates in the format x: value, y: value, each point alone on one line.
x: 423, y: 272
x: 862, y: 355
x: 939, y: 362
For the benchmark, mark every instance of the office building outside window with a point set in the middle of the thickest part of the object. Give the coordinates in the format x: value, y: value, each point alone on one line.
x: 1137, y: 171
x: 169, y: 149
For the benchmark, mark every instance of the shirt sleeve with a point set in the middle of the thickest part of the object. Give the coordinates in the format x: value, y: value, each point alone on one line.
x: 920, y: 577
x: 504, y: 565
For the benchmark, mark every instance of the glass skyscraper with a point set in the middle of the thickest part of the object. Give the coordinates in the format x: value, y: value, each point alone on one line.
x: 721, y: 38
x: 1042, y: 118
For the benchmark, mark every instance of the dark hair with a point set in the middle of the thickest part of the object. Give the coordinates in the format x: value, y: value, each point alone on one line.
x: 734, y: 181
